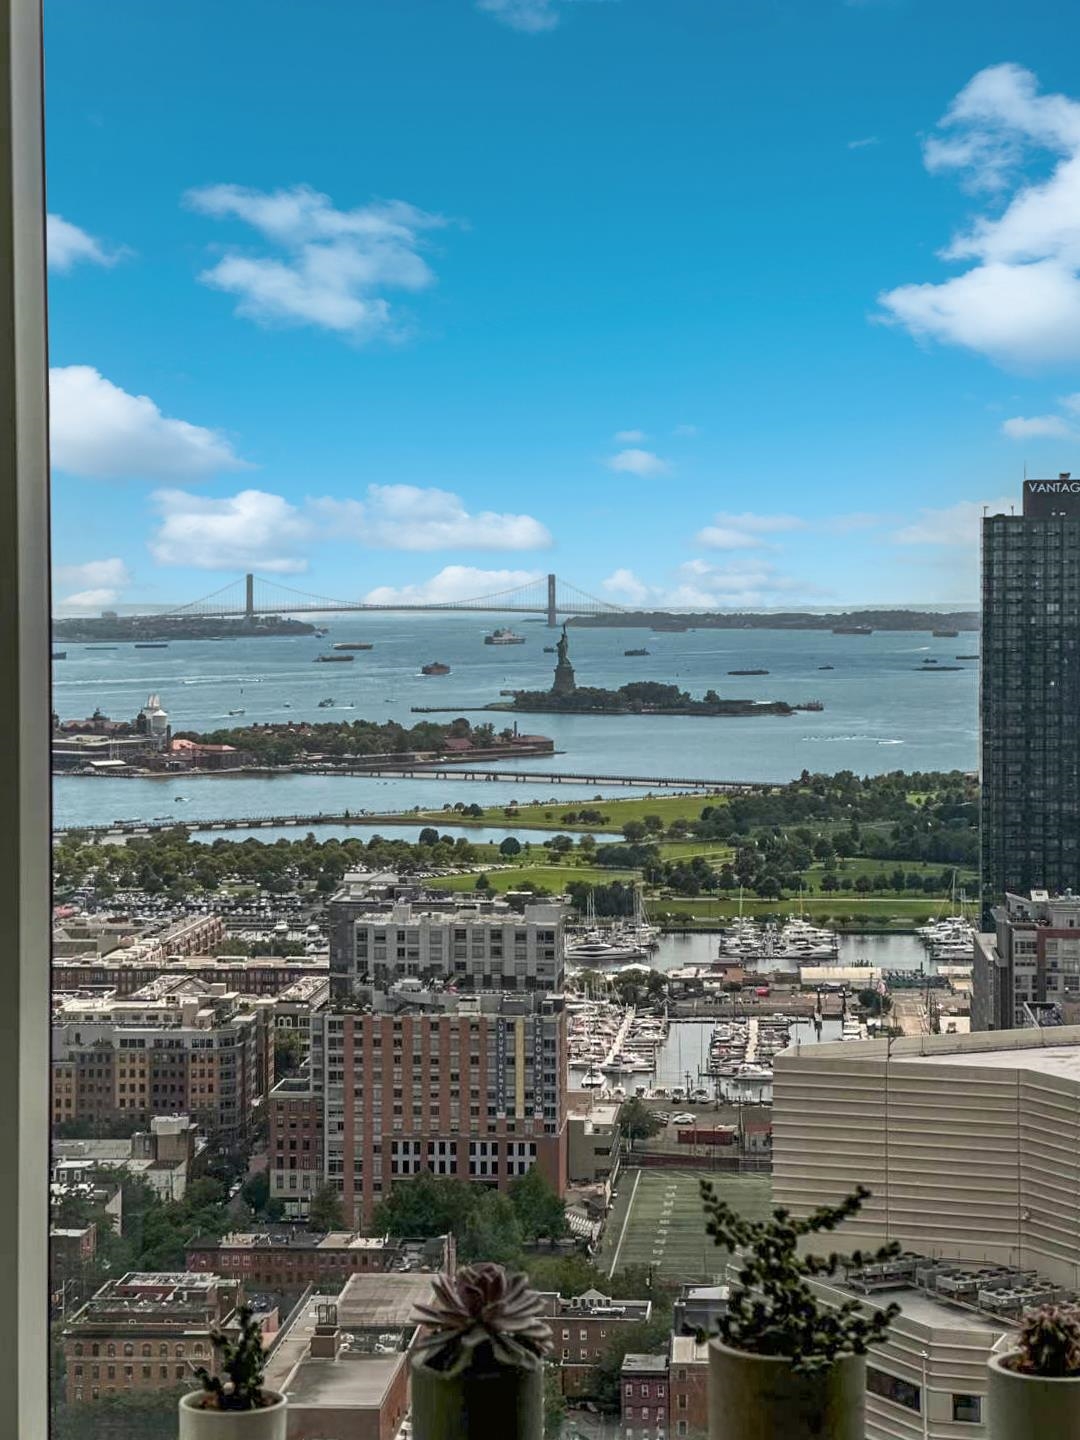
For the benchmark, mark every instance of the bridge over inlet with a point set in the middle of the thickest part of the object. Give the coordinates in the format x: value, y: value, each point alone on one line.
x: 246, y: 598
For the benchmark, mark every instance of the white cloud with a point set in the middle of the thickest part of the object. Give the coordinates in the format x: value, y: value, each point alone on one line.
x: 625, y: 585
x: 744, y: 532
x: 66, y: 245
x: 112, y: 573
x: 335, y: 265
x: 1071, y: 403
x: 1031, y: 427
x: 1019, y: 302
x: 629, y: 437
x: 247, y: 531
x: 530, y: 16
x: 864, y: 143
x: 453, y: 582
x: 952, y: 525
x: 686, y: 432
x: 90, y: 599
x: 408, y: 517
x: 638, y: 462
x: 701, y: 585
x: 100, y: 431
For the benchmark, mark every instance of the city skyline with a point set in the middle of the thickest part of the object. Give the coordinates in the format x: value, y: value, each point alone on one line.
x: 365, y: 340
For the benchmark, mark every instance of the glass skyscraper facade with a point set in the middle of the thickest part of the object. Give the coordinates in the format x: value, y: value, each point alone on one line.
x: 1030, y: 694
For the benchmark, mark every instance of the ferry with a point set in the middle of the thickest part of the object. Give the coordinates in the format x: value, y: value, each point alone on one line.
x: 435, y: 668
x: 504, y: 637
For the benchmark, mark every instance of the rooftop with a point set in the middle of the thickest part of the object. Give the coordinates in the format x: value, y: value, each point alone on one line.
x: 645, y: 1364
x: 1054, y: 1052
x: 688, y: 1350
x: 354, y: 1379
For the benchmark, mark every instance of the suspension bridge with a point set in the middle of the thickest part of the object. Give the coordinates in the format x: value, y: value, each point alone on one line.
x: 252, y: 596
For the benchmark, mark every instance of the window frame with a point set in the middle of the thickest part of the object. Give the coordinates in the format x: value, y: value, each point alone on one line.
x: 24, y: 713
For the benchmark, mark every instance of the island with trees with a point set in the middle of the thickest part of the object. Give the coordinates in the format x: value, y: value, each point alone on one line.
x: 857, y: 621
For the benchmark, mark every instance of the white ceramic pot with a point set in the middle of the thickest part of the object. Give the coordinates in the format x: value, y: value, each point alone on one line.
x: 268, y: 1423
x: 1030, y: 1407
x: 760, y: 1397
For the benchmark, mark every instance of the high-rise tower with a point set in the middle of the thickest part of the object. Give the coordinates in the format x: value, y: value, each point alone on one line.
x: 1030, y: 694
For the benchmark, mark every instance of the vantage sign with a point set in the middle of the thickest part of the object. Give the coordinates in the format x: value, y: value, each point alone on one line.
x: 1046, y: 499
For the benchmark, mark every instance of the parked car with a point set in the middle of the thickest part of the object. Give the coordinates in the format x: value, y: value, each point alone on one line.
x: 683, y: 1119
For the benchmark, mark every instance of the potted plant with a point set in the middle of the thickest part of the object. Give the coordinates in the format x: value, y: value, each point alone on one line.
x: 785, y: 1366
x: 479, y: 1372
x: 232, y: 1405
x: 1035, y: 1388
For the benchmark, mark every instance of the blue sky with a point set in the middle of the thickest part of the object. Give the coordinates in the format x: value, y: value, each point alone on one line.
x: 697, y: 302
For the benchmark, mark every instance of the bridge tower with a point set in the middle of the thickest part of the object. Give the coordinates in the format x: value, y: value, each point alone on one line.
x: 249, y: 598
x: 551, y: 618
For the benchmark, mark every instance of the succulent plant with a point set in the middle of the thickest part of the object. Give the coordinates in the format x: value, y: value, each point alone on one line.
x: 772, y: 1310
x: 242, y: 1365
x: 1049, y: 1341
x: 483, y: 1316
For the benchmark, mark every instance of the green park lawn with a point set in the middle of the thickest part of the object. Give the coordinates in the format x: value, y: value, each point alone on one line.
x: 657, y: 1220
x: 548, y: 816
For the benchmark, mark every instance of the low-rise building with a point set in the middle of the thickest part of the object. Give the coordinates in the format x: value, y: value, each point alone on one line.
x: 288, y: 1259
x: 583, y: 1329
x: 688, y: 1384
x: 343, y: 1361
x: 126, y: 969
x: 146, y: 1332
x: 166, y: 1156
x: 643, y: 1388
x: 592, y: 1141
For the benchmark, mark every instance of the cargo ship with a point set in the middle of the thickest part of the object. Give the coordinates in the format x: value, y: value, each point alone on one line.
x: 852, y: 629
x: 151, y: 644
x: 945, y: 634
x: 353, y: 645
x: 334, y: 659
x: 435, y: 668
x: 748, y: 672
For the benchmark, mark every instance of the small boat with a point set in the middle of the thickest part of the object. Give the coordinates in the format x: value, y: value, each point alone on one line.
x: 748, y: 672
x: 237, y: 712
x: 826, y: 667
x: 151, y: 644
x: 504, y: 637
x: 945, y: 634
x: 965, y: 657
x: 549, y: 649
x: 435, y: 668
x: 932, y: 668
x: 593, y: 1080
x: 635, y: 652
x: 102, y: 647
x: 327, y: 704
x: 59, y: 654
x: 180, y: 800
x: 353, y: 645
x: 334, y: 659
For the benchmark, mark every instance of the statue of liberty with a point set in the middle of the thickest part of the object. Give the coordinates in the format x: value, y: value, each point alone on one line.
x: 564, y: 682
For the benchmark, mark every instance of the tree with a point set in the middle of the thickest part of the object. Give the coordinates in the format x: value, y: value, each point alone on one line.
x: 428, y: 1205
x: 482, y: 881
x: 510, y: 846
x: 554, y: 1404
x: 634, y: 830
x: 540, y: 1212
x: 428, y: 836
x: 326, y: 1212
x: 638, y: 1121
x: 492, y: 1230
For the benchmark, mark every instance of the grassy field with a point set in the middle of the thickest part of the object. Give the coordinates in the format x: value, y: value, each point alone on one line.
x: 549, y: 816
x: 551, y: 877
x: 876, y: 908
x: 657, y: 1220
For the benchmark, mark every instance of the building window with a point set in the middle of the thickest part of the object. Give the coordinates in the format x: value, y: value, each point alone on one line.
x: 967, y: 1409
x: 891, y: 1387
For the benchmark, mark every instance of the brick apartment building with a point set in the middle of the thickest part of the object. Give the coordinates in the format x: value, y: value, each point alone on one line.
x: 175, y: 1046
x: 643, y: 1393
x: 443, y: 1049
x: 285, y: 1259
x: 583, y: 1327
x: 146, y: 1332
x: 122, y: 973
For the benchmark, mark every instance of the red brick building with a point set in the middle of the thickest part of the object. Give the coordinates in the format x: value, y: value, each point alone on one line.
x: 644, y: 1397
